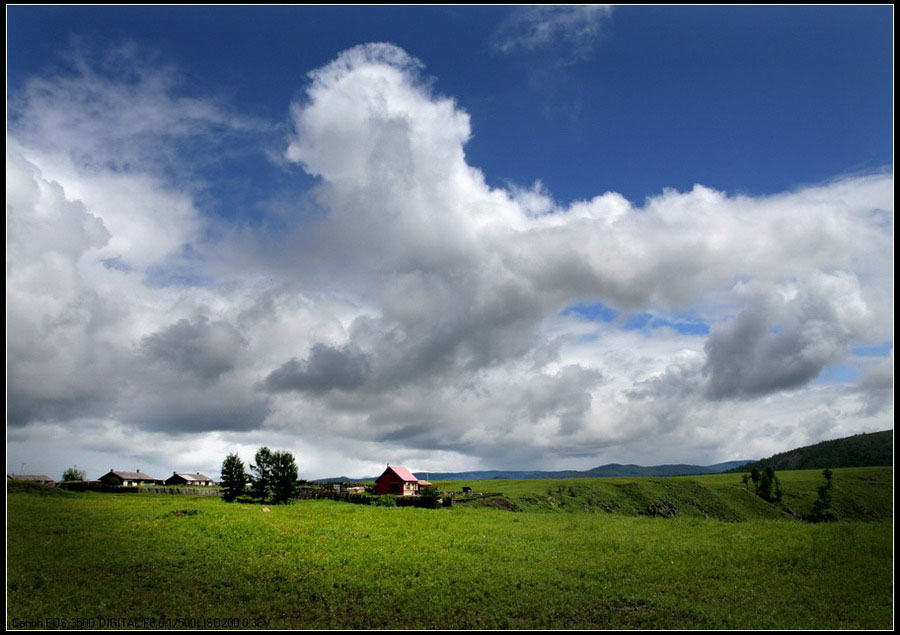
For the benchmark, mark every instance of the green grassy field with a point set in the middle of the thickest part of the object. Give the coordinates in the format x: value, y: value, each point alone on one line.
x: 195, y: 561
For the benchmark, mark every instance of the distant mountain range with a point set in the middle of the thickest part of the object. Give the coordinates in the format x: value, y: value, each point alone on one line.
x: 860, y: 450
x: 611, y: 469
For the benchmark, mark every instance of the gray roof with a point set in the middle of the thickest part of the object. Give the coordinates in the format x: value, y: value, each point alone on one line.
x: 30, y: 477
x: 131, y: 476
x: 197, y: 476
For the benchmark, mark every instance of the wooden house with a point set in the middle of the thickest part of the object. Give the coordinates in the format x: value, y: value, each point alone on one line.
x: 127, y: 479
x: 396, y: 479
x: 182, y: 478
x: 34, y: 478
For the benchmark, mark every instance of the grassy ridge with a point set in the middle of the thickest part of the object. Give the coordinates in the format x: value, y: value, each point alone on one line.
x: 324, y: 564
x: 859, y: 494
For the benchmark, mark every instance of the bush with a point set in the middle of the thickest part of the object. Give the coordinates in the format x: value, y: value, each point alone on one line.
x: 430, y: 495
x: 74, y: 474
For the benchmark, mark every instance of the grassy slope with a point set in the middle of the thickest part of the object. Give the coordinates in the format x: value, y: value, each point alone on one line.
x: 323, y: 564
x: 859, y: 494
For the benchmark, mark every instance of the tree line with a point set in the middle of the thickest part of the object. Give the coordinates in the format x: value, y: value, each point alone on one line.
x: 768, y: 487
x: 860, y: 450
x: 272, y: 478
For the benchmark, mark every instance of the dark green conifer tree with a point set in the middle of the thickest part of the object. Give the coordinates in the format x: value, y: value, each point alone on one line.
x: 234, y: 479
x: 283, y: 474
x: 262, y: 474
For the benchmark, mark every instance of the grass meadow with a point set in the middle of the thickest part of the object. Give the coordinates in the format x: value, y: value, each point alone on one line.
x: 578, y: 554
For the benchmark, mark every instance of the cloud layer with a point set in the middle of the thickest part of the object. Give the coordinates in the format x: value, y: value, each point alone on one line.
x: 407, y: 311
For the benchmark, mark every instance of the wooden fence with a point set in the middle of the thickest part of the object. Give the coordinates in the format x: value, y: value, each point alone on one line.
x: 469, y: 497
x: 349, y: 497
x: 97, y: 486
x: 368, y: 499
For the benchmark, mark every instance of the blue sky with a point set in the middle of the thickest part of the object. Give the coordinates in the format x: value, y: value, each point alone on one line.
x: 460, y: 237
x: 754, y: 100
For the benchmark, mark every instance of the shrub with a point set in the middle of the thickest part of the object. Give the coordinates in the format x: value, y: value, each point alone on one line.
x: 74, y: 474
x: 430, y: 495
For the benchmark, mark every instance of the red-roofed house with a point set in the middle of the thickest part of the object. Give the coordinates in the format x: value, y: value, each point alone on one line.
x: 396, y: 479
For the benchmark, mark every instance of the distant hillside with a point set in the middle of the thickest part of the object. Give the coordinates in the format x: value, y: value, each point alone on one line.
x: 337, y: 479
x: 612, y: 469
x: 860, y: 450
x: 859, y: 494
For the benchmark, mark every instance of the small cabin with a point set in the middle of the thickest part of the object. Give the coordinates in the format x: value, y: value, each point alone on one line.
x: 33, y: 478
x: 183, y: 478
x: 119, y: 478
x: 396, y: 479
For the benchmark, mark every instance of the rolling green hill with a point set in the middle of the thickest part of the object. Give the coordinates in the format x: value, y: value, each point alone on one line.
x: 860, y: 450
x: 860, y: 494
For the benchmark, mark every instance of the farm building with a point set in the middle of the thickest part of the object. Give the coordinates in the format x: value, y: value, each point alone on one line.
x: 36, y: 478
x: 128, y: 479
x: 396, y: 479
x: 182, y: 478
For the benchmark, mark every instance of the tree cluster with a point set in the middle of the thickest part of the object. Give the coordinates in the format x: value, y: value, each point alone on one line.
x: 860, y: 450
x: 766, y: 484
x: 273, y: 477
x: 821, y: 509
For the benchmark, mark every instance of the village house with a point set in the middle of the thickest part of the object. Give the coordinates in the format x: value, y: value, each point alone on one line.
x: 35, y: 478
x: 181, y: 478
x: 127, y: 479
x: 396, y: 479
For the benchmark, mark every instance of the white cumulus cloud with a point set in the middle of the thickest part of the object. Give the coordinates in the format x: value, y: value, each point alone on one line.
x: 418, y: 313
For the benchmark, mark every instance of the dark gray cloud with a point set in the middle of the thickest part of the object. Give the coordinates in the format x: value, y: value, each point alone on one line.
x: 327, y: 368
x: 877, y: 388
x: 752, y: 355
x: 565, y: 396
x: 191, y: 376
x: 24, y: 407
x: 202, y: 349
x: 680, y: 382
x: 192, y: 412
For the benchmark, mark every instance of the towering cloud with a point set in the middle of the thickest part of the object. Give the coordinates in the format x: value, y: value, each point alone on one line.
x: 435, y: 325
